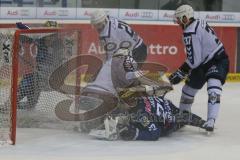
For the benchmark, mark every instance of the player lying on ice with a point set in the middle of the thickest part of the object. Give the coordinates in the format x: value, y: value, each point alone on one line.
x: 148, y: 118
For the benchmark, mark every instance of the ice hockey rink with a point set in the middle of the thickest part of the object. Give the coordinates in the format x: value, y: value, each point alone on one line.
x: 188, y: 143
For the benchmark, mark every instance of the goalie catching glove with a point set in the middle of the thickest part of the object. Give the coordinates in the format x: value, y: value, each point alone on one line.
x: 180, y: 74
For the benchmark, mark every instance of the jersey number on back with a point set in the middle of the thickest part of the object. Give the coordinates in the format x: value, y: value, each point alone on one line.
x: 211, y: 31
x: 129, y: 31
x: 125, y: 26
x: 189, y: 47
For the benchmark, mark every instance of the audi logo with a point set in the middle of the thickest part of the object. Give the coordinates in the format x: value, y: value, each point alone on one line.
x: 228, y: 17
x: 146, y: 14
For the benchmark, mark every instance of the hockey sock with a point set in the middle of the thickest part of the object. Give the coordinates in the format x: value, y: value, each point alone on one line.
x: 187, y: 98
x: 214, y: 88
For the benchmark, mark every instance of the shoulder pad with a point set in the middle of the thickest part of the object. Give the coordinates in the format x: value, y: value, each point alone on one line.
x: 192, y: 28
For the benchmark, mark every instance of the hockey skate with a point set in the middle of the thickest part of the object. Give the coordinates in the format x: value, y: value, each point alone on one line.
x: 209, y: 125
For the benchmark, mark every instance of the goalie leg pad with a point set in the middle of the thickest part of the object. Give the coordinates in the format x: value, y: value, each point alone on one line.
x: 110, y: 131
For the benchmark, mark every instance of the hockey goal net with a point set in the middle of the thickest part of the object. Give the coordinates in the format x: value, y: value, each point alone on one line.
x: 27, y: 60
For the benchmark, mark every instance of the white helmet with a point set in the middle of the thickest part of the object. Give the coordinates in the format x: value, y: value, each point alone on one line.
x: 98, y: 16
x: 184, y: 10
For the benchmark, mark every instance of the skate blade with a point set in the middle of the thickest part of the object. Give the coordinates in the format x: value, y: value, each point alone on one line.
x: 209, y: 132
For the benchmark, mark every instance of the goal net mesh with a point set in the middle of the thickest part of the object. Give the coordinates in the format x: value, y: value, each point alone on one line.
x: 39, y: 53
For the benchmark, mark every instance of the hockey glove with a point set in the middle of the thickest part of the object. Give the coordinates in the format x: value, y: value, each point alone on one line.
x: 180, y: 74
x: 129, y: 64
x: 177, y: 77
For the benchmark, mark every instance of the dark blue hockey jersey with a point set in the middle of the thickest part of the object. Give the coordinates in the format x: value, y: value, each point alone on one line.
x: 153, y: 117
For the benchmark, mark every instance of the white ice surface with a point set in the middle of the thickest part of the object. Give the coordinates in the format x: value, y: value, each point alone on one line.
x: 187, y: 144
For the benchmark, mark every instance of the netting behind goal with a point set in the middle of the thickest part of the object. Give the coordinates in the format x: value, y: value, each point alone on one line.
x: 27, y: 60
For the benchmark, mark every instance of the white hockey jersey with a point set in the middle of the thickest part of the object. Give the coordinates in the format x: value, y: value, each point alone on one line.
x: 115, y: 35
x: 201, y: 43
x: 118, y: 34
x: 103, y: 81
